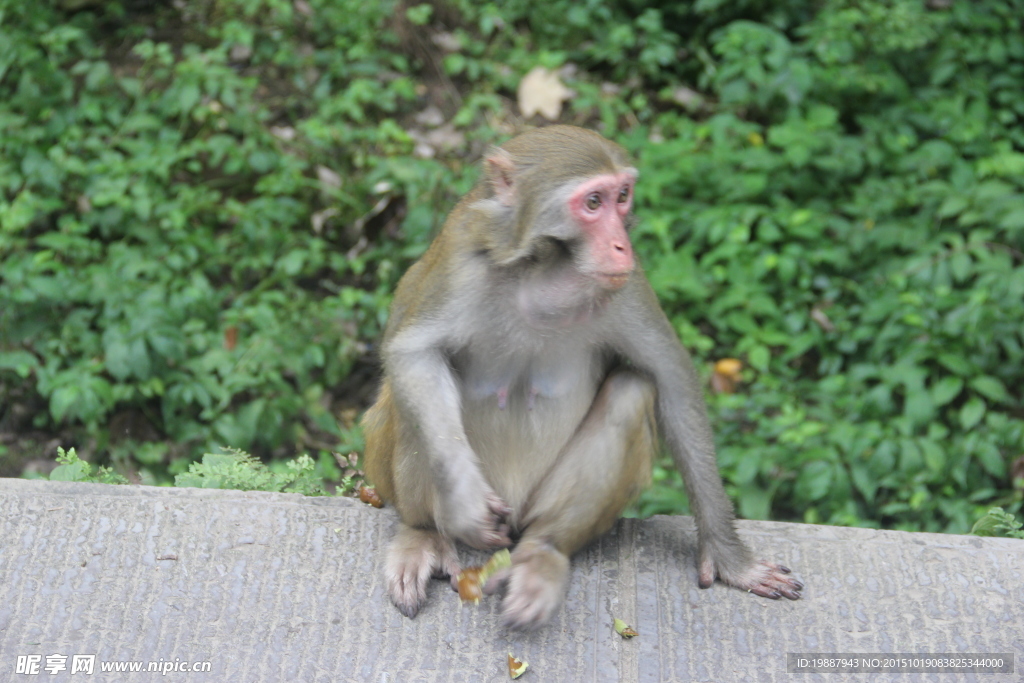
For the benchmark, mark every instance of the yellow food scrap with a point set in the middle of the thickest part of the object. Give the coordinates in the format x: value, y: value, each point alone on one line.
x: 471, y: 588
x: 499, y: 560
x: 471, y: 580
x: 624, y: 629
x: 516, y: 667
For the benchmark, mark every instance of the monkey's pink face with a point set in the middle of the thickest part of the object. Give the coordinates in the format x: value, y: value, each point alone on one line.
x: 600, y: 205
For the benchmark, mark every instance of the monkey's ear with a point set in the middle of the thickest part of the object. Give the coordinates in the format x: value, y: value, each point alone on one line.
x: 500, y: 170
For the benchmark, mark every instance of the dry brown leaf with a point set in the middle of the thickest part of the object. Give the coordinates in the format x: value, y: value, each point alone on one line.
x: 444, y: 139
x: 329, y: 179
x: 319, y: 219
x: 431, y: 116
x: 818, y: 316
x: 286, y: 133
x: 449, y: 42
x: 542, y: 92
x: 687, y: 98
x: 726, y: 375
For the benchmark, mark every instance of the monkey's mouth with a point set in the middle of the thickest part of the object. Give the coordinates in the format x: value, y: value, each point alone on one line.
x: 613, y: 280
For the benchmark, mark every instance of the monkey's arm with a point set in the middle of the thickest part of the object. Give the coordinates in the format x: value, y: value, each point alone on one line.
x: 650, y: 344
x: 428, y: 404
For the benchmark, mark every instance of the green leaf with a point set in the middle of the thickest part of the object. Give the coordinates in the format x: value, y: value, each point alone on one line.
x: 21, y: 362
x: 759, y: 358
x: 911, y: 460
x: 991, y: 459
x: 955, y: 364
x: 1014, y: 220
x: 934, y: 456
x: 814, y: 480
x: 863, y: 481
x: 972, y: 412
x: 918, y: 407
x: 998, y: 522
x: 960, y: 264
x: 76, y: 471
x: 945, y: 390
x: 991, y: 388
x: 419, y: 15
x: 62, y: 400
x: 754, y: 502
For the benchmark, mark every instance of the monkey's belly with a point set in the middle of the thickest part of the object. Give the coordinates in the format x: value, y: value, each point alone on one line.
x: 518, y: 435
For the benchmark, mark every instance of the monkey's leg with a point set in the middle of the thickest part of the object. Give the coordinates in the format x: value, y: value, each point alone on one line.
x: 413, y: 557
x: 602, y: 468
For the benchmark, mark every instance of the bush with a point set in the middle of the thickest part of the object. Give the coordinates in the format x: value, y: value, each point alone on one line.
x: 201, y: 225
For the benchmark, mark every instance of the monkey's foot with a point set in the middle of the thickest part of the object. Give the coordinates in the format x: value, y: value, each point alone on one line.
x: 535, y: 585
x: 413, y: 557
x: 767, y: 579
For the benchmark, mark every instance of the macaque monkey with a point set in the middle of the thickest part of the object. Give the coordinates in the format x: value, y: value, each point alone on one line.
x: 528, y: 371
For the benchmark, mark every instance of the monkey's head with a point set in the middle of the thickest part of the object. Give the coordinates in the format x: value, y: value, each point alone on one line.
x: 561, y: 192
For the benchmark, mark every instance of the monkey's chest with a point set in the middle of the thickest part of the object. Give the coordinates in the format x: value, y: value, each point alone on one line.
x: 551, y: 378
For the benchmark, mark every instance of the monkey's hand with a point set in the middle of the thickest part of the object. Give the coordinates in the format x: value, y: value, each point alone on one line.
x: 767, y: 579
x: 474, y: 514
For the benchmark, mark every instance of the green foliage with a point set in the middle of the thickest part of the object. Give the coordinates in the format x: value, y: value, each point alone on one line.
x: 160, y: 240
x: 998, y: 522
x: 202, y: 223
x: 72, y: 468
x: 846, y: 222
x: 235, y: 469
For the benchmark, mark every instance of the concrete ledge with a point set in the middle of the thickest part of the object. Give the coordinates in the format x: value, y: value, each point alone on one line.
x: 278, y: 587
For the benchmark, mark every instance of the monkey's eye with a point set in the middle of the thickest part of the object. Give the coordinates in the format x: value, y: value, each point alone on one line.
x: 593, y: 201
x: 623, y: 195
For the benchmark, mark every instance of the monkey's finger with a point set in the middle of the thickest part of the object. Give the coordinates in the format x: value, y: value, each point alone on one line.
x: 499, y: 537
x: 450, y: 572
x: 498, y: 507
x: 498, y: 581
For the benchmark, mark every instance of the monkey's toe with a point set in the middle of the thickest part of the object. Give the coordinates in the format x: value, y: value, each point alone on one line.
x: 530, y: 606
x: 407, y: 609
x: 413, y: 557
x: 535, y: 586
x: 770, y: 580
x: 407, y: 598
x: 407, y: 588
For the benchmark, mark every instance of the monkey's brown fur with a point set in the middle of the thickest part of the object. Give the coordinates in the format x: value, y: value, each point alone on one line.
x: 528, y: 370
